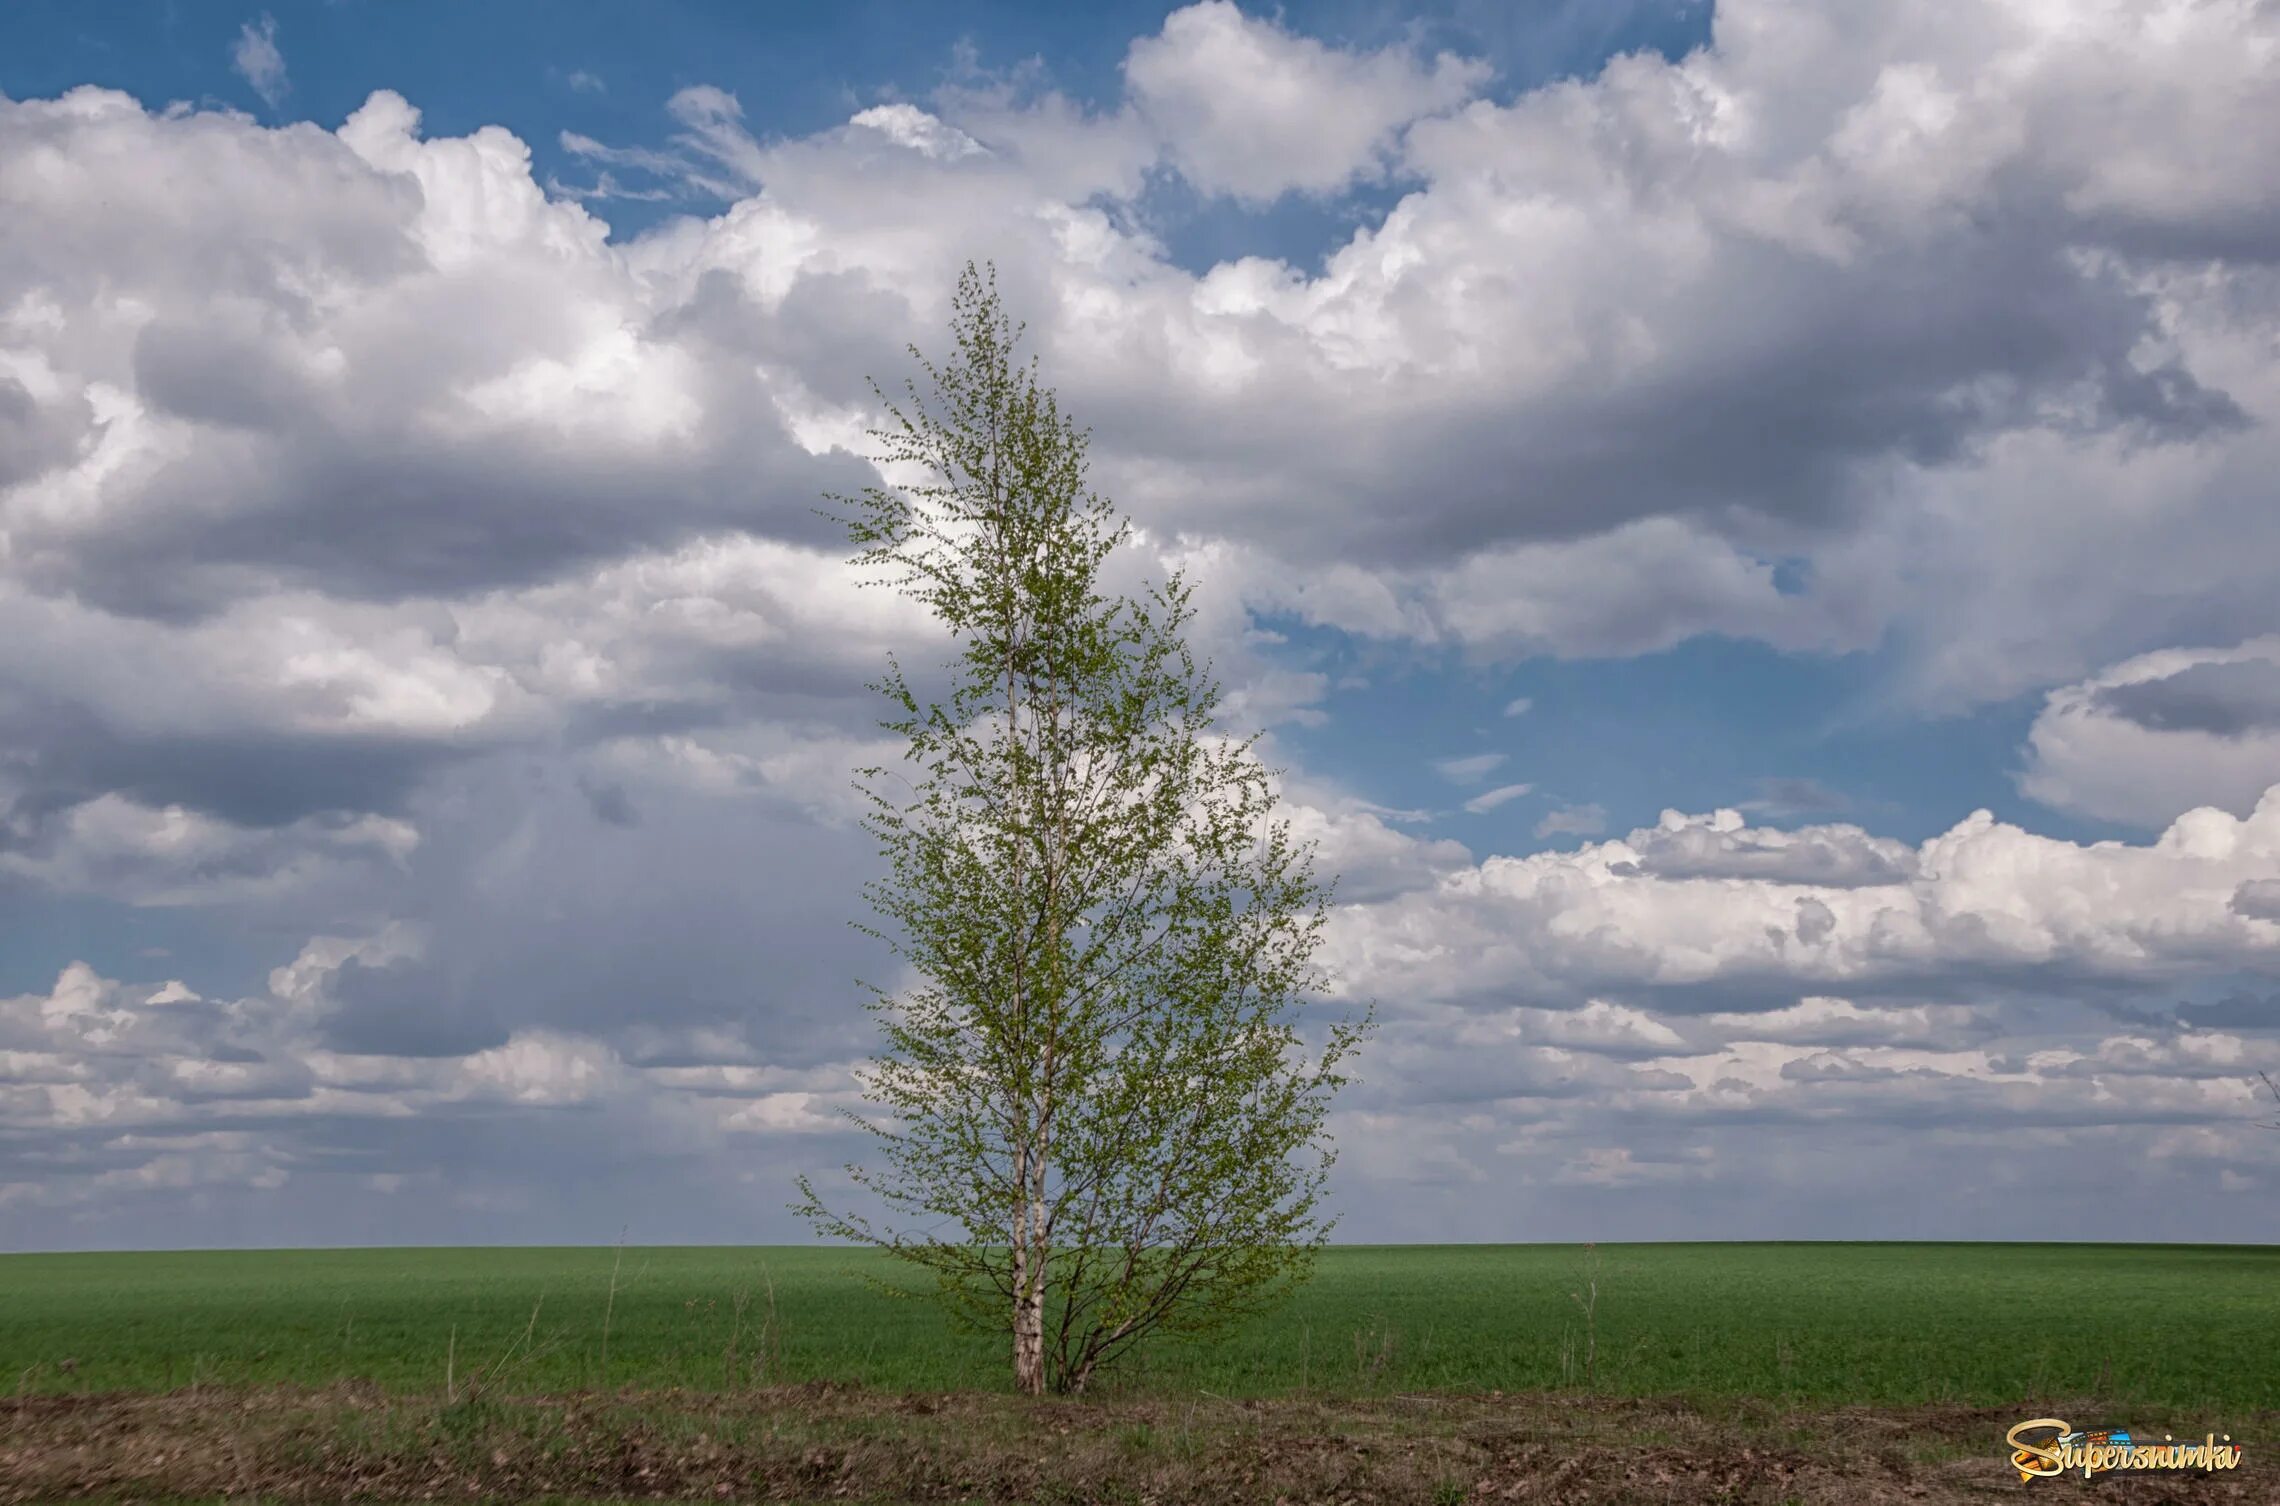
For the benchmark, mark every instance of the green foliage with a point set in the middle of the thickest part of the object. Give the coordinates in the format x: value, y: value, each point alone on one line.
x: 1863, y: 1324
x: 1097, y: 1119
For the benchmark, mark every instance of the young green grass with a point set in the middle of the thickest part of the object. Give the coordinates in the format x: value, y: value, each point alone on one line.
x: 1899, y: 1324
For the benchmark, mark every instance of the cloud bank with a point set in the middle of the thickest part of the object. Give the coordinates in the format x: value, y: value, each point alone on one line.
x: 398, y: 568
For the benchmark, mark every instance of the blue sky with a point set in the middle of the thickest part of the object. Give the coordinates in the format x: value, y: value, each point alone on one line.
x: 605, y: 71
x: 426, y: 697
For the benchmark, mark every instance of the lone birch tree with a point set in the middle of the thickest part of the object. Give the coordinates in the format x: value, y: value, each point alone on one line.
x: 1094, y: 1117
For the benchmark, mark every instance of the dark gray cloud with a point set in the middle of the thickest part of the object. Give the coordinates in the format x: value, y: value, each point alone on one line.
x: 37, y: 436
x: 1834, y: 1066
x: 2235, y: 1011
x: 1832, y: 856
x: 247, y: 778
x: 407, y: 1008
x: 2258, y: 898
x: 1788, y: 798
x: 729, y: 913
x: 610, y: 803
x: 386, y: 516
x: 2230, y: 699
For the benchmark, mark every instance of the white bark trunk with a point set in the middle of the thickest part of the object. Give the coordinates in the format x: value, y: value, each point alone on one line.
x: 1029, y: 1280
x: 1029, y: 1337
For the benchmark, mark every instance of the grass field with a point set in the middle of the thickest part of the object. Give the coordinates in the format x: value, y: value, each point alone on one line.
x: 1898, y: 1324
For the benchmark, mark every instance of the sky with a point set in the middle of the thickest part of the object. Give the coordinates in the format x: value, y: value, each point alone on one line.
x: 1748, y: 532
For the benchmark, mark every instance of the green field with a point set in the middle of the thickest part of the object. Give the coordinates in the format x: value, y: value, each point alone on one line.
x: 2180, y: 1326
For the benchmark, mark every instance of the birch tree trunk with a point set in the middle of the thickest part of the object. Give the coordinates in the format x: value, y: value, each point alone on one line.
x: 1029, y: 1282
x: 1029, y: 1305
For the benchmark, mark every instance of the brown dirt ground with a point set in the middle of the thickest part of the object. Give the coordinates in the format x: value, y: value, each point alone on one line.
x: 832, y: 1443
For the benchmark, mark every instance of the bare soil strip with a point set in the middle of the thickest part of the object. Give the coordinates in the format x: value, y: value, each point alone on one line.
x: 834, y: 1443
